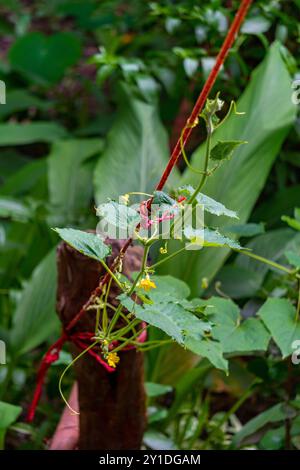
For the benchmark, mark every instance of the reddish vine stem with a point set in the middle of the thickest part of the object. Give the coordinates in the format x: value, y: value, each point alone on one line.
x: 229, y: 39
x: 234, y: 28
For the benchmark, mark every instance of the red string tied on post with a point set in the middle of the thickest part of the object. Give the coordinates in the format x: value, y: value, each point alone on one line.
x: 82, y: 340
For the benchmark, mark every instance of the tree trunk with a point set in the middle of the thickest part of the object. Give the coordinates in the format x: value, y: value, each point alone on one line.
x: 111, y: 405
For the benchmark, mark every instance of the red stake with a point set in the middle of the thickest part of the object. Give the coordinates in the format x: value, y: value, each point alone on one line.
x: 234, y: 28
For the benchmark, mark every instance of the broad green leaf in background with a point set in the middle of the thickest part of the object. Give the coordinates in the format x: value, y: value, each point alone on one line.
x: 21, y: 134
x: 14, y: 209
x: 69, y: 178
x: 273, y: 415
x: 281, y: 202
x: 21, y: 238
x: 136, y: 151
x: 271, y: 245
x: 236, y: 335
x: 279, y: 316
x: 238, y: 183
x: 292, y: 222
x: 238, y: 282
x: 28, y: 178
x: 187, y: 382
x: 8, y: 415
x: 293, y: 258
x: 245, y: 276
x: 35, y: 319
x: 158, y: 441
x: 245, y: 230
x: 11, y: 161
x: 89, y: 244
x: 42, y: 58
x: 21, y: 100
x: 156, y: 390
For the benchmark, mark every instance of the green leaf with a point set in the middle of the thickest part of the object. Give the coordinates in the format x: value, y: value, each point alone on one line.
x: 21, y: 100
x: 271, y: 245
x: 160, y: 197
x: 29, y: 178
x: 155, y: 414
x: 223, y: 150
x: 44, y: 59
x: 136, y: 151
x: 245, y: 230
x: 279, y: 316
x: 256, y: 25
x: 212, y: 350
x: 235, y: 335
x: 89, y: 244
x: 169, y: 286
x: 21, y: 134
x: 118, y: 220
x: 293, y: 258
x: 208, y: 237
x: 35, y: 319
x: 238, y: 282
x: 273, y: 439
x: 273, y: 415
x: 238, y: 183
x: 282, y: 201
x: 157, y: 441
x: 174, y: 320
x: 156, y: 390
x: 293, y: 223
x: 209, y: 204
x: 8, y: 415
x: 14, y: 209
x: 215, y: 207
x: 69, y: 178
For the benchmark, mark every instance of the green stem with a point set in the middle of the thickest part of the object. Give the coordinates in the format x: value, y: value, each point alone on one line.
x: 124, y: 330
x: 233, y: 409
x: 112, y: 275
x: 267, y: 261
x: 298, y: 303
x: 119, y: 309
x: 118, y: 348
x: 207, y: 155
x: 65, y: 371
x: 167, y: 258
x: 104, y: 313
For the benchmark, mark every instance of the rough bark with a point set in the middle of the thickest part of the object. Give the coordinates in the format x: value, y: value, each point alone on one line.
x: 112, y: 405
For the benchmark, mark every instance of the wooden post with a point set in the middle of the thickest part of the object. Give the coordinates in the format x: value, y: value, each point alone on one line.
x: 111, y: 405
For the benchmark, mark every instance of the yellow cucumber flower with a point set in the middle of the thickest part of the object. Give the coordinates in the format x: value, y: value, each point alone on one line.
x: 113, y: 359
x: 147, y: 284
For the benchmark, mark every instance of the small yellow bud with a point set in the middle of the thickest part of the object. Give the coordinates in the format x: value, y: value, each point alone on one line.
x: 204, y: 283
